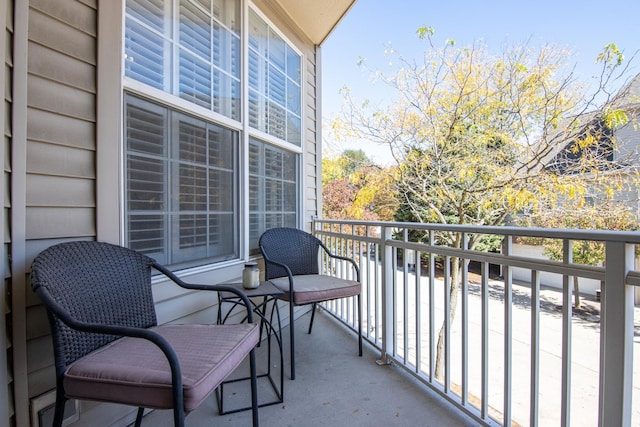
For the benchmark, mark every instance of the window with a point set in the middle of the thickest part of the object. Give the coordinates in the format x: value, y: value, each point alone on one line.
x: 195, y: 55
x: 274, y: 83
x: 185, y: 141
x: 181, y: 197
x: 273, y: 191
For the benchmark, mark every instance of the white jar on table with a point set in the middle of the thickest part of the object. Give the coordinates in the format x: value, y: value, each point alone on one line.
x: 251, y: 276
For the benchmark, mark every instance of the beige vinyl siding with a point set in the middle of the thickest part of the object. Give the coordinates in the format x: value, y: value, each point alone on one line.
x: 60, y: 179
x: 60, y: 174
x: 312, y: 162
x: 6, y: 400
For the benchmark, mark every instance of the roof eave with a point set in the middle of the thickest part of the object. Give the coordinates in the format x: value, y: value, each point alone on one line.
x: 316, y: 19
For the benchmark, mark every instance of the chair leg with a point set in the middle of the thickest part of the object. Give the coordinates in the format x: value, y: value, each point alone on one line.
x: 58, y: 415
x: 178, y: 417
x: 359, y: 325
x: 139, y: 417
x: 254, y: 387
x: 178, y: 400
x: 292, y: 342
x: 313, y: 314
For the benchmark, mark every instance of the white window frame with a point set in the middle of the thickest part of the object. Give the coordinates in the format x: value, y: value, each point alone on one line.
x: 111, y: 86
x: 265, y: 137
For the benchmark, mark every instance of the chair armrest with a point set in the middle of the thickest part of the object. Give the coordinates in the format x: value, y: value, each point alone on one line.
x: 267, y: 260
x: 344, y: 258
x: 202, y: 287
x: 279, y: 264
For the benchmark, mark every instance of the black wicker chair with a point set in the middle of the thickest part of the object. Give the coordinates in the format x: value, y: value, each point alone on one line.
x: 292, y: 264
x: 108, y: 346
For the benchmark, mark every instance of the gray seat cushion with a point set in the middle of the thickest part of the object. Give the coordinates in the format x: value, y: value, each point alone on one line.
x: 135, y: 371
x: 312, y: 288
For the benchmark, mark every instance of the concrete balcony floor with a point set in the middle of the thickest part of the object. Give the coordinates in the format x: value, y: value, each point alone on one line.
x: 333, y: 386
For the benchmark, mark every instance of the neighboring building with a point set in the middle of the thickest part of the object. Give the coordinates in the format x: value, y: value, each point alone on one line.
x: 180, y: 128
x: 617, y: 147
x: 628, y: 136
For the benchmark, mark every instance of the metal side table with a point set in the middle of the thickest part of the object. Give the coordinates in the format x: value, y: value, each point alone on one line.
x: 260, y: 298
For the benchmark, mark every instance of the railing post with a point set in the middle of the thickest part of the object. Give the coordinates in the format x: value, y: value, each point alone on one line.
x: 567, y: 318
x: 387, y: 296
x: 616, y: 338
x: 507, y: 273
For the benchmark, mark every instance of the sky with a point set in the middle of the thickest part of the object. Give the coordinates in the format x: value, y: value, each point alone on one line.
x: 583, y: 27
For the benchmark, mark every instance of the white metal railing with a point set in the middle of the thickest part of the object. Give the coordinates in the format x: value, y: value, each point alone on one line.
x: 514, y: 351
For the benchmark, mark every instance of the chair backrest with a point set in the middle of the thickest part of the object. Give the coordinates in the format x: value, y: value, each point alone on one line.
x: 295, y: 248
x: 94, y: 282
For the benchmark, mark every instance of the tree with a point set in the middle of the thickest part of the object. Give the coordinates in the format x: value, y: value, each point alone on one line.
x: 344, y: 165
x: 355, y: 188
x: 475, y: 136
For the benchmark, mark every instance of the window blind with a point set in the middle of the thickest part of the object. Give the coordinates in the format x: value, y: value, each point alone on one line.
x: 182, y: 185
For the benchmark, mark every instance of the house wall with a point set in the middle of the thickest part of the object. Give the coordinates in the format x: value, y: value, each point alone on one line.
x: 6, y: 382
x: 53, y: 152
x: 628, y: 141
x: 52, y: 180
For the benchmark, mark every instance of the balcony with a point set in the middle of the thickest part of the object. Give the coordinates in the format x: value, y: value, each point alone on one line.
x: 516, y: 352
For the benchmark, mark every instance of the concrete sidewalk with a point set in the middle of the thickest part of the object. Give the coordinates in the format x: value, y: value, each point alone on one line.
x: 585, y: 355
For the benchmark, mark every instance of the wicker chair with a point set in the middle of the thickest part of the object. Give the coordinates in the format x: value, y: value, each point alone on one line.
x: 98, y: 298
x: 292, y: 264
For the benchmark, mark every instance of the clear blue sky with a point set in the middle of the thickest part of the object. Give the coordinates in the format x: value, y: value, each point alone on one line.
x: 582, y: 26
